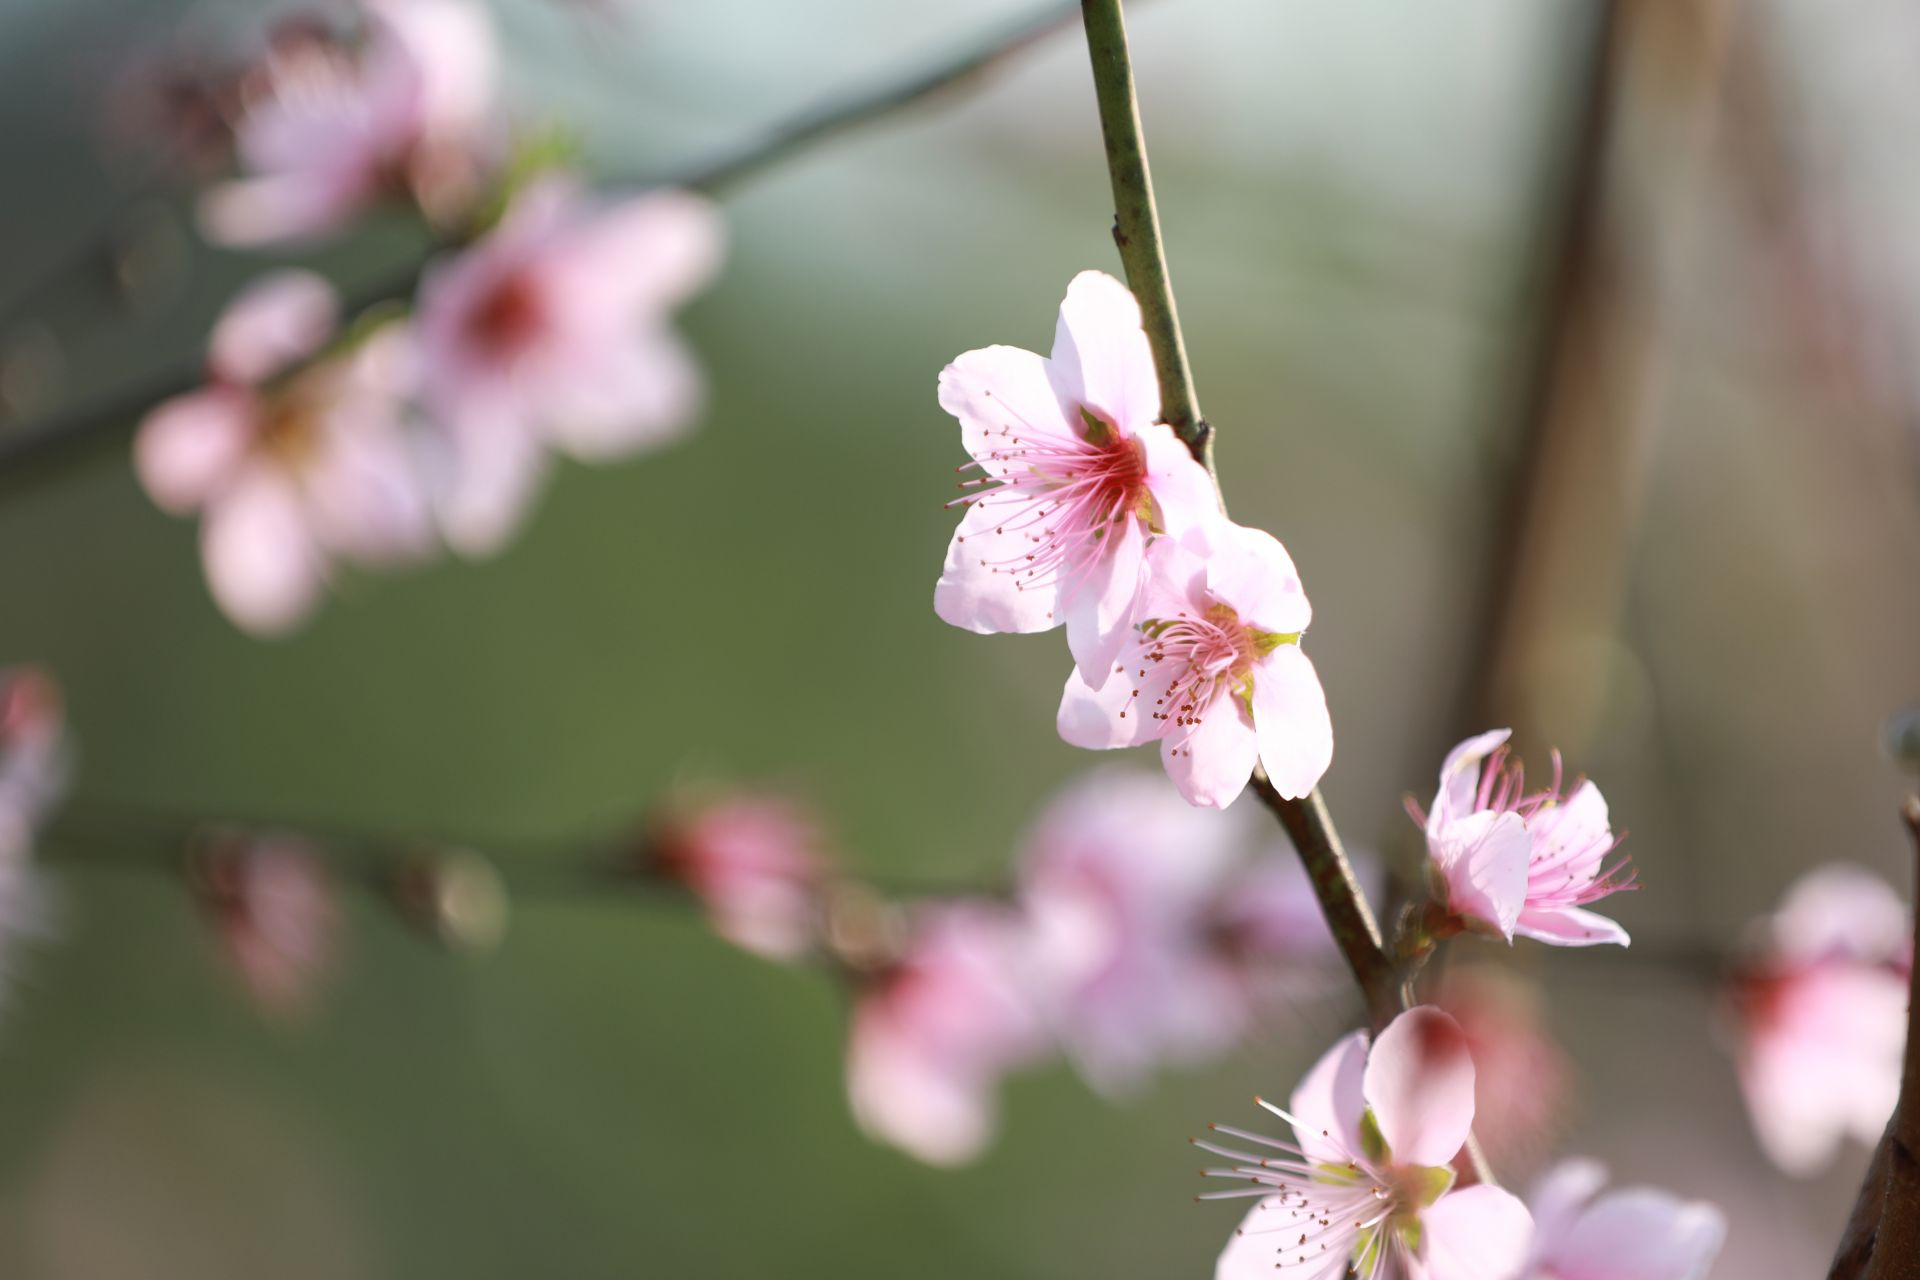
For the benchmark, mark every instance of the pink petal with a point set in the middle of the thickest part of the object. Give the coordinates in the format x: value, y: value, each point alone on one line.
x: 1419, y: 1083
x: 1212, y: 761
x: 1250, y: 570
x: 189, y: 447
x: 261, y: 562
x: 1253, y: 1251
x: 1483, y: 858
x: 1460, y: 779
x: 1559, y: 1198
x: 1101, y: 358
x: 998, y: 394
x: 1100, y: 612
x: 1639, y: 1234
x: 641, y: 394
x: 1574, y: 834
x: 1184, y: 496
x: 281, y: 318
x: 248, y: 213
x: 434, y: 60
x: 1329, y: 1101
x: 1290, y: 716
x: 1569, y: 927
x: 1120, y: 712
x: 484, y: 480
x: 902, y: 1097
x: 1845, y: 909
x: 643, y: 256
x: 1479, y: 1233
x: 981, y: 586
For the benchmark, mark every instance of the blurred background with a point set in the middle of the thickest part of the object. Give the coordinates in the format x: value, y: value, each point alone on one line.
x: 1568, y: 348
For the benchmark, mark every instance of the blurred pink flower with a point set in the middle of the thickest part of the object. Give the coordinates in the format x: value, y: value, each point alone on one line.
x: 754, y: 860
x: 1821, y: 1013
x: 1509, y: 862
x: 1523, y: 1080
x: 334, y: 130
x: 33, y: 776
x: 292, y: 465
x: 1213, y: 670
x: 1076, y: 474
x: 278, y: 917
x: 1631, y: 1234
x: 33, y: 757
x: 1367, y: 1181
x: 553, y: 330
x: 933, y: 1034
x: 1119, y: 880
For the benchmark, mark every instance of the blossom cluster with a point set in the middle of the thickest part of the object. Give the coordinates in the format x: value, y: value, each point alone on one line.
x: 1141, y: 932
x: 543, y: 326
x: 1369, y: 1184
x: 1084, y: 510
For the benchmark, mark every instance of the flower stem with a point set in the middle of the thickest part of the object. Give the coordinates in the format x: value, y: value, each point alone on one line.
x: 1136, y: 230
x: 1136, y: 223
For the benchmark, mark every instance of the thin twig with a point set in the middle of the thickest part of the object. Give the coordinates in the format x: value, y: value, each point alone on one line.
x: 59, y: 435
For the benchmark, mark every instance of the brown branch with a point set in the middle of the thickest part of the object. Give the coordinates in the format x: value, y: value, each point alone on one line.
x: 1895, y: 1250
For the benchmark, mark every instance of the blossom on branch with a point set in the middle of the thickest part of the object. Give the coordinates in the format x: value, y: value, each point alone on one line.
x: 553, y: 330
x: 1507, y: 861
x: 295, y: 459
x: 334, y: 129
x: 1631, y: 1234
x: 1076, y: 474
x: 1820, y: 1009
x: 1156, y: 940
x: 755, y: 863
x: 1212, y: 670
x: 934, y: 1032
x: 1367, y: 1182
x: 278, y: 917
x: 33, y: 777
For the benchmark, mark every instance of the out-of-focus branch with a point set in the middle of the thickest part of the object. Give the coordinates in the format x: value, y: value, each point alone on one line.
x: 1587, y: 402
x: 56, y: 436
x: 1895, y: 1250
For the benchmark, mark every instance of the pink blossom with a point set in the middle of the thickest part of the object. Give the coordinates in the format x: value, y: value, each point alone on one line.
x: 935, y: 1032
x: 553, y: 330
x: 1120, y: 880
x: 1212, y: 670
x: 1507, y: 861
x: 1367, y: 1181
x: 754, y: 860
x: 1523, y: 1080
x: 33, y: 758
x: 33, y: 776
x: 293, y: 466
x: 1821, y: 1012
x: 335, y: 130
x: 1631, y: 1234
x: 1076, y: 475
x: 278, y: 917
x: 1155, y: 939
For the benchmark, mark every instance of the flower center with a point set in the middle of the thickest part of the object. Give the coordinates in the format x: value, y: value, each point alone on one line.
x: 1062, y: 496
x: 509, y: 317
